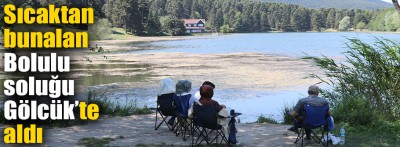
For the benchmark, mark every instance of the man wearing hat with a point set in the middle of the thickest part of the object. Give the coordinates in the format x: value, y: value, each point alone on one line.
x: 313, y: 100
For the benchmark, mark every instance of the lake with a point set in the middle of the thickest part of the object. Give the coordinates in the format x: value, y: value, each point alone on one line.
x: 255, y: 103
x: 252, y: 103
x: 287, y: 44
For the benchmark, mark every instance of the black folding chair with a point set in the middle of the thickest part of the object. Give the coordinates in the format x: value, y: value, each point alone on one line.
x: 165, y: 109
x: 183, y: 123
x: 204, y: 123
x: 316, y: 117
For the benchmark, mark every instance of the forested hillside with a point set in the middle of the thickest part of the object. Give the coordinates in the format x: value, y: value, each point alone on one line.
x: 158, y: 17
x: 342, y: 4
x: 232, y: 15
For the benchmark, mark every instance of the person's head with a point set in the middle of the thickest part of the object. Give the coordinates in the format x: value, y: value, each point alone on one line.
x: 206, y: 91
x: 313, y: 90
x: 183, y: 86
x: 167, y: 85
x: 209, y: 84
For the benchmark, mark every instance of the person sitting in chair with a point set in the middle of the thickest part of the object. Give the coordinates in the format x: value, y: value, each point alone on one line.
x: 165, y: 96
x: 297, y: 112
x: 196, y: 96
x: 206, y: 93
x: 183, y: 88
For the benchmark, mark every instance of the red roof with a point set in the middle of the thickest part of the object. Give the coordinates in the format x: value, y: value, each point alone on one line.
x: 194, y: 21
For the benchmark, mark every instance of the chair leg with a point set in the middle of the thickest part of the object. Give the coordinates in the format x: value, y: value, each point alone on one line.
x: 299, y: 135
x: 155, y: 123
x: 162, y: 121
x: 327, y: 135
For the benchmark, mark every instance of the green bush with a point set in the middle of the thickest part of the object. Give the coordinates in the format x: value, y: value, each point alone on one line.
x: 365, y: 90
x: 174, y: 26
x: 226, y: 29
x: 369, y: 80
x: 287, y: 119
x: 100, y: 30
x: 360, y: 25
x: 388, y: 20
x: 266, y: 119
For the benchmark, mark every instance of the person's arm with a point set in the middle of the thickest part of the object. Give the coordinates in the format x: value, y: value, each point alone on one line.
x: 296, y: 108
x: 219, y: 107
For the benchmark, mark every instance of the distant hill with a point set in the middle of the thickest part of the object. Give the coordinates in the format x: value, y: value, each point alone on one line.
x: 341, y: 4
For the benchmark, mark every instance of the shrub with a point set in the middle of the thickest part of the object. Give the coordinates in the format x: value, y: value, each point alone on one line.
x: 226, y: 29
x: 365, y: 92
x: 100, y: 30
x: 360, y: 25
x: 115, y: 108
x: 344, y: 24
x: 266, y: 119
x: 366, y: 87
x: 174, y: 26
x: 287, y: 119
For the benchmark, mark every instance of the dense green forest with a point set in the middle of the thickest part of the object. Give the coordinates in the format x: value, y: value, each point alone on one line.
x: 342, y: 4
x: 158, y: 17
x: 141, y: 16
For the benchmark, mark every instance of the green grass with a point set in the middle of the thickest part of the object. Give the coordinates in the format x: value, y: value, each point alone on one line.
x: 266, y: 119
x: 368, y: 136
x: 95, y: 142
x: 108, y: 107
x: 120, y: 34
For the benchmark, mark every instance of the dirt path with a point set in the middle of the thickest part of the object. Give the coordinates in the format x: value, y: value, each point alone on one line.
x: 139, y: 130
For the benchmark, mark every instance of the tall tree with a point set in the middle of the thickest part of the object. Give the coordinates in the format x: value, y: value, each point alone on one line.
x: 344, y: 24
x: 175, y: 8
x: 174, y: 26
x: 316, y: 21
x: 396, y: 5
x: 153, y: 25
x: 330, y: 19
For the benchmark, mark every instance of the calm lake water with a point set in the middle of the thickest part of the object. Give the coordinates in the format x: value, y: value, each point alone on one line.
x: 255, y: 103
x: 287, y: 44
x: 251, y: 103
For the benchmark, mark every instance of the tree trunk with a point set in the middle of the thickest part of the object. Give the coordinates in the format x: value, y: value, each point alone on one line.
x: 396, y: 5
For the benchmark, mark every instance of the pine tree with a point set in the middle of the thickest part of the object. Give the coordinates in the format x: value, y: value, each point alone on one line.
x: 316, y: 21
x: 330, y: 20
x: 153, y: 25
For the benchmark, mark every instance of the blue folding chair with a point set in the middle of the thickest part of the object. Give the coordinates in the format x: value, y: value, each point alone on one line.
x: 165, y: 109
x: 183, y: 124
x: 315, y: 117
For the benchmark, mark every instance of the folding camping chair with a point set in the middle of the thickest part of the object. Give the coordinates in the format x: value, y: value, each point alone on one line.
x: 204, y: 122
x: 315, y: 118
x: 164, y: 108
x: 183, y: 123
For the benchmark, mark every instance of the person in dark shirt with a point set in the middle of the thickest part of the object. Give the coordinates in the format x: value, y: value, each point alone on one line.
x: 206, y: 93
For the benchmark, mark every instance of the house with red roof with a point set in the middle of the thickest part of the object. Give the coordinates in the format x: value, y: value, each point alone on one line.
x: 195, y: 25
